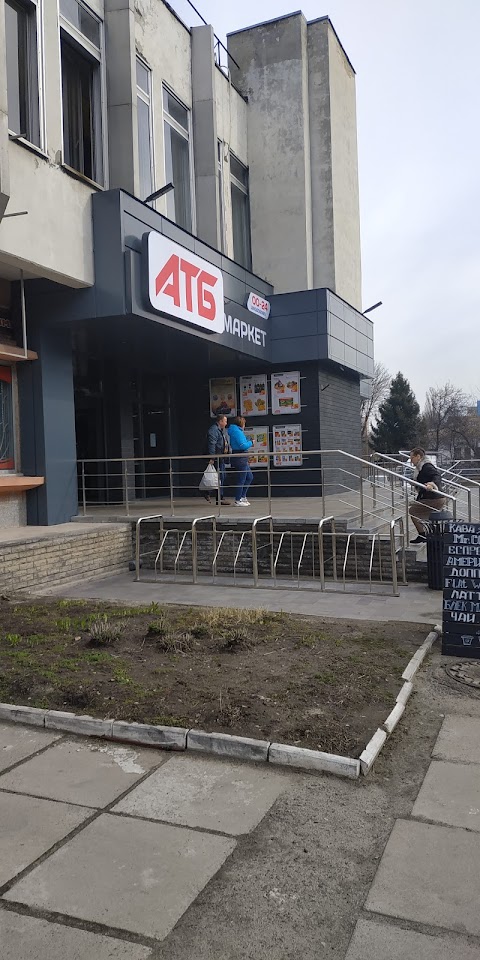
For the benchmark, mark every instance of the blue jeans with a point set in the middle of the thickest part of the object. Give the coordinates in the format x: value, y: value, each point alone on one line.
x: 243, y: 478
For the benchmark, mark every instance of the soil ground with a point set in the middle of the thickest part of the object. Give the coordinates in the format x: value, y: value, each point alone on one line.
x: 320, y: 683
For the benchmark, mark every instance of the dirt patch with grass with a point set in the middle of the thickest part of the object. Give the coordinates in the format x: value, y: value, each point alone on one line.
x: 324, y: 684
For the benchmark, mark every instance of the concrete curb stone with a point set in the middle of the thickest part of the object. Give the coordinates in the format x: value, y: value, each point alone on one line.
x: 393, y: 718
x: 405, y: 693
x: 224, y: 745
x: 370, y: 754
x: 165, y: 738
x: 71, y: 723
x: 31, y: 715
x: 285, y: 755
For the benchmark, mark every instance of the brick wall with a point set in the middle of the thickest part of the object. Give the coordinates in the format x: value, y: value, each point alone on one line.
x: 61, y: 558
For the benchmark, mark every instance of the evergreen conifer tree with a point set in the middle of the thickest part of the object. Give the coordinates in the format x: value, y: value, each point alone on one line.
x: 398, y: 423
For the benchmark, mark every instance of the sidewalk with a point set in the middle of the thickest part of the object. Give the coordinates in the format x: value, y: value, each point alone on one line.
x: 429, y: 875
x: 416, y: 604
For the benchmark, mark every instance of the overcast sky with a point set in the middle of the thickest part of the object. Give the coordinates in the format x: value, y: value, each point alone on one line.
x: 418, y: 116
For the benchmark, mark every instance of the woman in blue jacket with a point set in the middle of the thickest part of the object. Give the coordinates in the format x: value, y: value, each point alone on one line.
x: 244, y: 476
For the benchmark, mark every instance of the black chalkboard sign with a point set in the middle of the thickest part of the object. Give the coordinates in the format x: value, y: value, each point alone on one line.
x: 461, y: 589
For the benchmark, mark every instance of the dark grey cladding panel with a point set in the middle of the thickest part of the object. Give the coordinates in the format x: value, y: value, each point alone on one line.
x: 208, y: 253
x: 234, y: 289
x: 108, y: 247
x: 175, y: 233
x: 234, y: 269
x: 322, y: 297
x: 295, y: 325
x: 294, y: 350
x: 258, y: 285
x: 285, y: 304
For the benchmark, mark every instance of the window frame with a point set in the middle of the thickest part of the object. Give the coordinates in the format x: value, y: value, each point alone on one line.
x: 167, y: 118
x: 68, y: 32
x: 36, y: 9
x: 148, y: 100
x: 245, y: 189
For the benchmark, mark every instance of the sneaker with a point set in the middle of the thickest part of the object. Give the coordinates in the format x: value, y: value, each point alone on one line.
x: 241, y: 503
x: 245, y: 501
x: 419, y: 539
x: 226, y: 503
x: 207, y: 497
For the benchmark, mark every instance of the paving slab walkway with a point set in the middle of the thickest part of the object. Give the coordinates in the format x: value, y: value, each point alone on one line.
x: 423, y: 902
x: 416, y: 603
x: 104, y: 847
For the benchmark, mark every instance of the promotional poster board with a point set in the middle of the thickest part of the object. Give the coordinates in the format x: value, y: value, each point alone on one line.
x: 223, y: 397
x: 287, y: 445
x: 286, y: 393
x: 258, y: 454
x: 253, y: 396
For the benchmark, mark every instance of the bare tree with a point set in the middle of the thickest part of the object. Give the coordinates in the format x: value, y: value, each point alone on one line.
x: 380, y: 386
x: 446, y: 408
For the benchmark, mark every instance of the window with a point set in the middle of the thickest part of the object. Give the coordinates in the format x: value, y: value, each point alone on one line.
x: 82, y: 81
x: 7, y: 461
x: 178, y: 168
x: 145, y: 130
x: 21, y: 43
x: 242, y: 251
x: 220, y: 200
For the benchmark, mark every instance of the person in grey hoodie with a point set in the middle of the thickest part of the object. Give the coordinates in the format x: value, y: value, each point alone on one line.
x: 218, y: 443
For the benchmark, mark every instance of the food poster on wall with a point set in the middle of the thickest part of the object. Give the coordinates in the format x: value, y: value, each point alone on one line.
x: 253, y: 396
x: 286, y: 393
x: 223, y: 397
x: 258, y: 455
x: 287, y: 445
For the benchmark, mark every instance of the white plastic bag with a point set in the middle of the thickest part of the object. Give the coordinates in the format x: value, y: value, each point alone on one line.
x: 209, y: 480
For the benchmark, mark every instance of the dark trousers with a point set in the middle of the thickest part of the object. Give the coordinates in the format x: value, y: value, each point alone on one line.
x: 243, y: 477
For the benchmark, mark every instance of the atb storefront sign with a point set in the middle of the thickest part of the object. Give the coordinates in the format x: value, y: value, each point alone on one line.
x: 258, y: 305
x: 184, y: 286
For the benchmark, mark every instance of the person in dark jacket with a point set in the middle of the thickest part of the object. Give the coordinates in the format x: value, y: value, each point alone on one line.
x: 430, y: 498
x: 218, y: 444
x: 244, y: 476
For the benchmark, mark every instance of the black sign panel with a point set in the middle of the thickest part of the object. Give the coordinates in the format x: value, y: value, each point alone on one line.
x: 461, y: 589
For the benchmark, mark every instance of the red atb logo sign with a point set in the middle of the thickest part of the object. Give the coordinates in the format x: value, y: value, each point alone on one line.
x: 184, y: 286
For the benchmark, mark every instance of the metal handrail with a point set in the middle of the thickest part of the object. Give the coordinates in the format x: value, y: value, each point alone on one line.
x: 302, y: 551
x: 347, y: 549
x: 255, y: 548
x: 242, y: 538
x: 195, y: 542
x: 137, y: 540
x: 372, y: 552
x: 162, y: 544
x: 179, y: 551
x: 321, y: 553
x: 393, y: 559
x: 280, y: 544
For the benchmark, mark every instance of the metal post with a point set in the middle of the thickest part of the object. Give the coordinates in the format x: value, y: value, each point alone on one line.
x: 125, y: 483
x: 84, y: 492
x: 393, y: 494
x: 271, y: 548
x: 404, y: 556
x: 469, y: 501
x: 374, y: 486
x: 322, y: 480
x: 194, y: 553
x: 394, y: 559
x: 361, y: 501
x: 172, y: 499
x: 269, y: 483
x: 254, y: 555
x: 137, y: 550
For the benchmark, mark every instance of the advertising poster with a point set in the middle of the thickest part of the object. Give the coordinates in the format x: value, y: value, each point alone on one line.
x: 287, y: 445
x: 258, y: 454
x: 223, y: 397
x: 285, y: 393
x: 253, y: 396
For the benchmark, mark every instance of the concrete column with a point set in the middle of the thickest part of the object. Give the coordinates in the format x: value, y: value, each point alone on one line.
x: 274, y: 76
x: 205, y: 135
x: 4, y: 163
x: 47, y: 423
x: 121, y: 95
x: 334, y: 164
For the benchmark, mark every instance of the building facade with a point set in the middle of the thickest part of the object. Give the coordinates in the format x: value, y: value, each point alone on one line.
x: 102, y: 105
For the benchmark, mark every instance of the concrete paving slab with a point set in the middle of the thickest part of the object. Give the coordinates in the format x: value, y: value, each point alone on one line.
x: 23, y: 937
x: 29, y: 827
x: 416, y: 604
x: 450, y: 794
x: 459, y: 739
x: 381, y: 941
x: 429, y: 874
x: 81, y: 772
x: 127, y: 874
x: 212, y: 794
x: 17, y: 743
